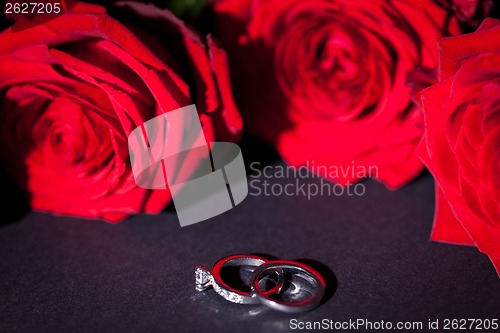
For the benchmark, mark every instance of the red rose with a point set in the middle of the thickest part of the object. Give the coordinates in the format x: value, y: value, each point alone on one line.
x: 326, y: 81
x: 72, y: 89
x: 461, y: 146
x: 470, y: 12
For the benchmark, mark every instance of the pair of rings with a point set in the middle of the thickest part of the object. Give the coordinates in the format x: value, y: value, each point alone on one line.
x: 283, y: 285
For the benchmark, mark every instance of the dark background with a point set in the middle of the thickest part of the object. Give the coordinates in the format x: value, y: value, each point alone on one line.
x: 64, y: 274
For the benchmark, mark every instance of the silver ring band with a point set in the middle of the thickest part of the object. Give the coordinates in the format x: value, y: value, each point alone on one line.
x: 206, y: 278
x: 316, y: 286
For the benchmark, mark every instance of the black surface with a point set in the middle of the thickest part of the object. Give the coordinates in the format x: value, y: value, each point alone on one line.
x: 64, y: 274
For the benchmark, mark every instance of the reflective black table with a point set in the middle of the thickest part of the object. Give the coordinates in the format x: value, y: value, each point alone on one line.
x: 64, y: 274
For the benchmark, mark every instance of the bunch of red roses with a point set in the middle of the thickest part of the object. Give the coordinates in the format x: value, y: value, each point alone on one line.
x: 392, y: 84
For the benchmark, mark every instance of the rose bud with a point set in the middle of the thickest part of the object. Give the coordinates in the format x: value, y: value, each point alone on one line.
x: 325, y: 82
x: 72, y: 90
x: 461, y: 146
